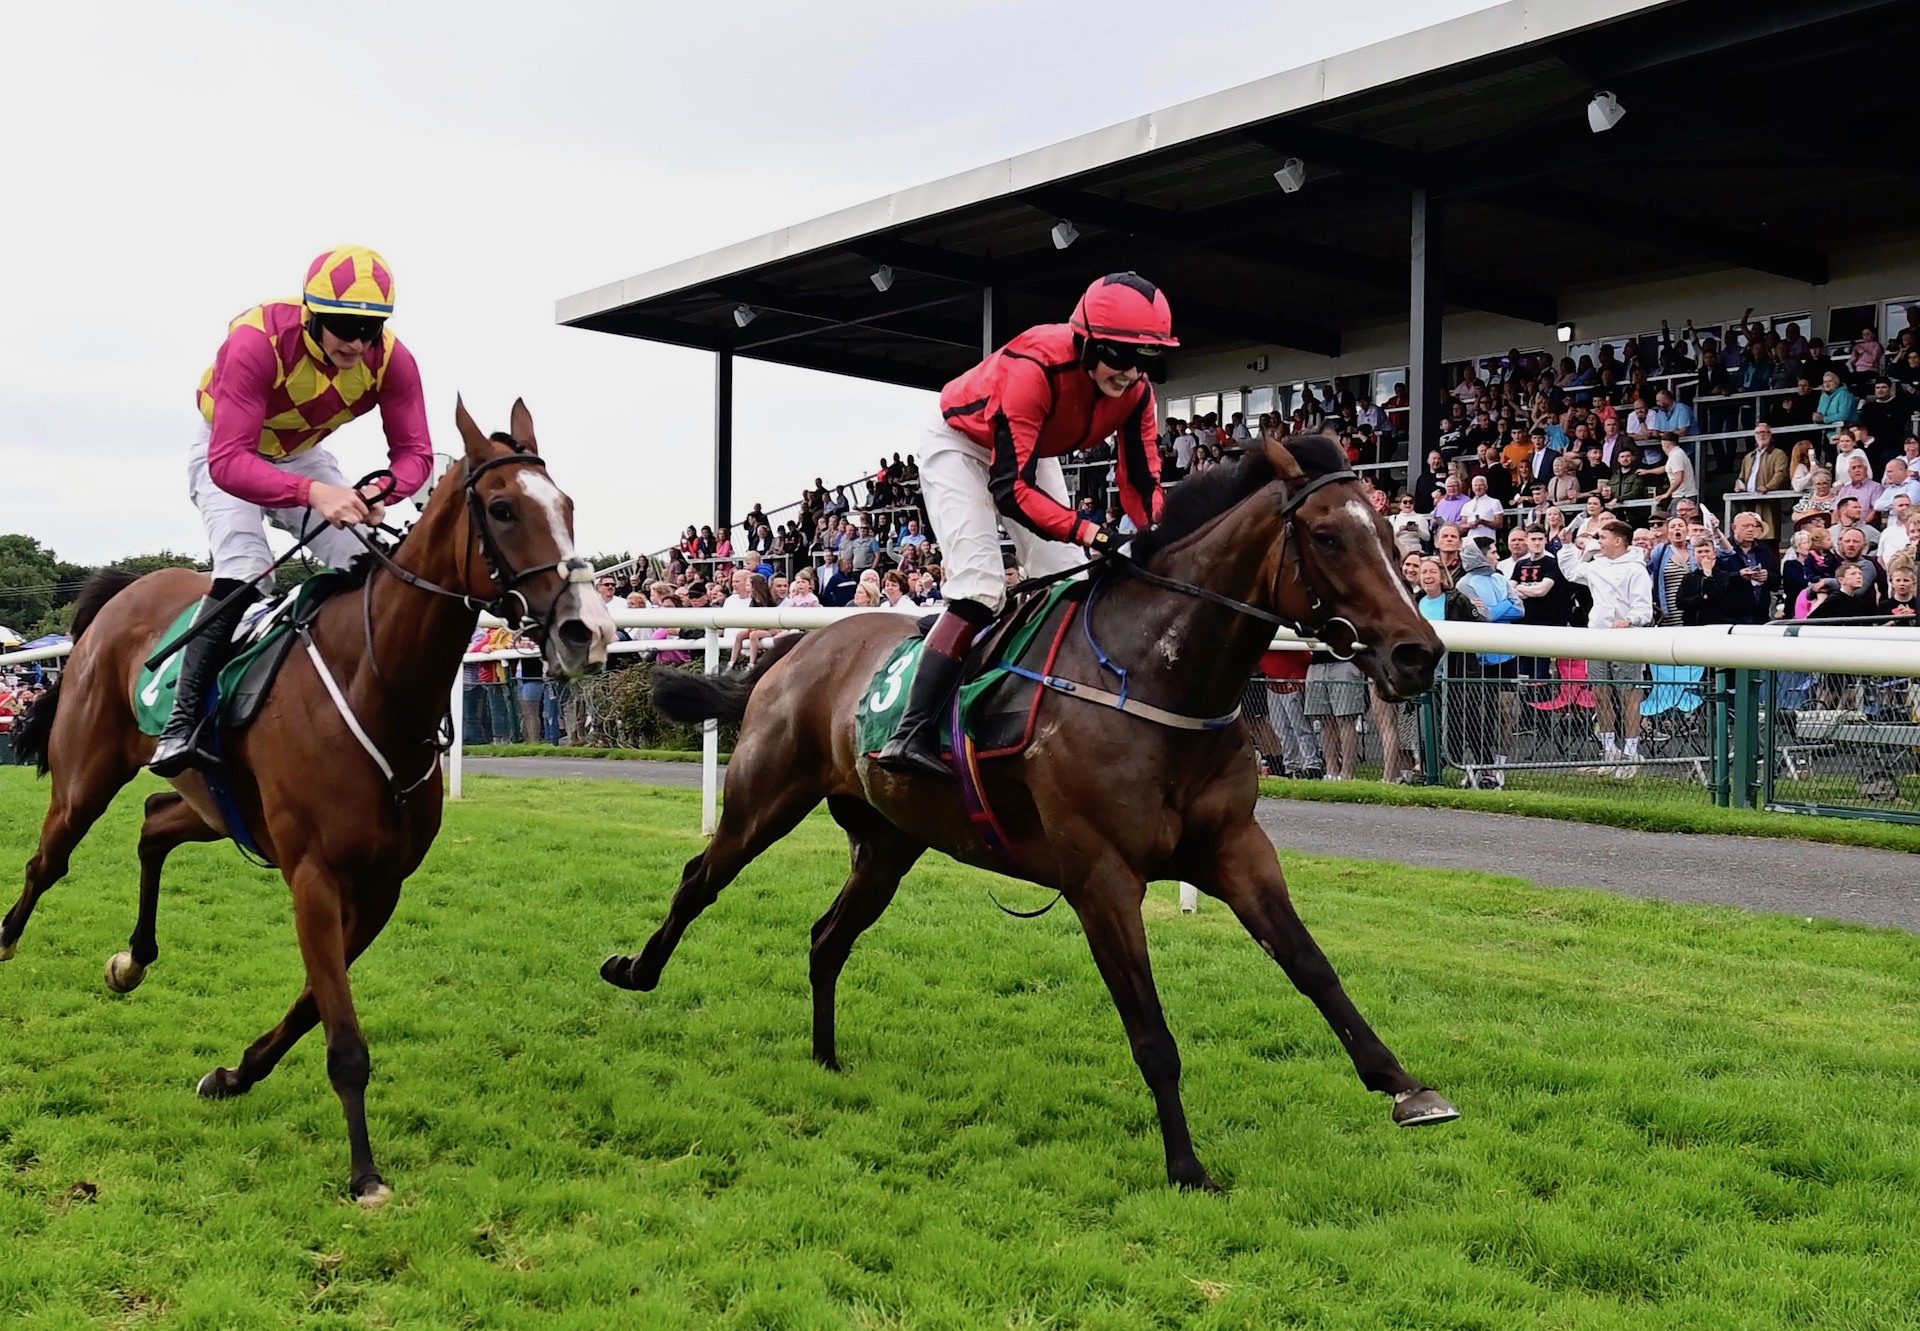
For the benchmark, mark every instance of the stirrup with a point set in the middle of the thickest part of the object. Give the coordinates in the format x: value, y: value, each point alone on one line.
x: 905, y: 754
x: 179, y: 756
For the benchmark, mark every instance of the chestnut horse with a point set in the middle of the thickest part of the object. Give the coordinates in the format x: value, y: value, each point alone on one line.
x: 1101, y: 803
x: 345, y: 826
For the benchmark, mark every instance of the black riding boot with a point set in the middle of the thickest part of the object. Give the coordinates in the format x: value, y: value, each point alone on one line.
x: 915, y: 746
x: 200, y: 662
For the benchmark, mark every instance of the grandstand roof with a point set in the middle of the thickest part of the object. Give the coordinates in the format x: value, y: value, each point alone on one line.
x: 1757, y: 136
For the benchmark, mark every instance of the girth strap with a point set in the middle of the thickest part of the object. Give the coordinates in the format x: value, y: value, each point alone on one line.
x: 1120, y: 703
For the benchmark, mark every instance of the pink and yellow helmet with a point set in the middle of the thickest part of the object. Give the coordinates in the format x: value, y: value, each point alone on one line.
x: 351, y: 279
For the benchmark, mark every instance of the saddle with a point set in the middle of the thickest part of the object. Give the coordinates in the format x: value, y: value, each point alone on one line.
x: 265, y: 636
x: 999, y: 706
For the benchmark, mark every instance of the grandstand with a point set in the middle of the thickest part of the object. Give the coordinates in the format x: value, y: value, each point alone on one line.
x: 1457, y: 221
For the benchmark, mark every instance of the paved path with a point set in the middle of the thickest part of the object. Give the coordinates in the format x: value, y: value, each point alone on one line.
x: 1790, y: 877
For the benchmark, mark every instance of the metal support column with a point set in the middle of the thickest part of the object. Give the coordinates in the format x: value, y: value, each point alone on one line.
x: 722, y: 439
x: 1720, y: 684
x: 1424, y: 386
x: 993, y: 316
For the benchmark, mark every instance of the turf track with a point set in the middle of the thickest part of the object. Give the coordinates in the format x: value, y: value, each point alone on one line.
x: 1676, y: 1116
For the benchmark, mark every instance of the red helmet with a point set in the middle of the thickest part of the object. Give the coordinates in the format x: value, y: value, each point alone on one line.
x: 1125, y: 307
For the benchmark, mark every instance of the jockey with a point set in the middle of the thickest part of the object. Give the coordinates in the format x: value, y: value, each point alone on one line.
x: 994, y: 456
x: 290, y: 373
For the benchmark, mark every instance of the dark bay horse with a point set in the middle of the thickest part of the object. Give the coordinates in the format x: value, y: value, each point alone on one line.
x: 1101, y: 802
x: 497, y: 533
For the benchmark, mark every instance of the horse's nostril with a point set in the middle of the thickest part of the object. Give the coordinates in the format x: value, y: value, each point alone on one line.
x: 1414, y: 658
x: 575, y: 633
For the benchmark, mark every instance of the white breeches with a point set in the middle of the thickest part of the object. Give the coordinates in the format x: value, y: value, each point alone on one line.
x: 954, y: 479
x: 235, y: 527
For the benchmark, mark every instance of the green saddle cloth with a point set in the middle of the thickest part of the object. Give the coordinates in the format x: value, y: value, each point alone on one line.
x: 995, y: 728
x: 153, y: 694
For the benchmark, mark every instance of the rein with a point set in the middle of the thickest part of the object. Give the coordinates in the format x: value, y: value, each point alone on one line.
x: 505, y: 577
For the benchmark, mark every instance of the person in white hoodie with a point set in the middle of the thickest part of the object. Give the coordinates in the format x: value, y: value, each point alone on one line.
x: 1609, y: 566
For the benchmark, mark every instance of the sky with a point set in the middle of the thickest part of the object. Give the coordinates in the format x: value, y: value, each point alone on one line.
x: 168, y: 165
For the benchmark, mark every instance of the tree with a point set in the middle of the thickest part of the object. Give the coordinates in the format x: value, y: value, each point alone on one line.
x: 145, y: 564
x: 30, y: 581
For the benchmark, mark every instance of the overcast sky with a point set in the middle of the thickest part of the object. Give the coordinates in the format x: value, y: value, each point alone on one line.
x: 168, y: 165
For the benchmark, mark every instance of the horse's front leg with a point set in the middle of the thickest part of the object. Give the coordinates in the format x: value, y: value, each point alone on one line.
x: 1109, y: 909
x: 1245, y: 873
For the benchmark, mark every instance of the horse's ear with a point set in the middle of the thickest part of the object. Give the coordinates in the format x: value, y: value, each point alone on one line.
x: 520, y: 426
x: 1280, y: 458
x: 479, y: 447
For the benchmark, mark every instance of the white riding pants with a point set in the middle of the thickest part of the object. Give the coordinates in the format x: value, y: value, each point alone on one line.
x: 954, y: 481
x: 235, y: 528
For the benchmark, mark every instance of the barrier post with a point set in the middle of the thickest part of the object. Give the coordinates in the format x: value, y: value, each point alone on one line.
x: 1722, y: 736
x: 1430, y: 737
x: 459, y: 713
x: 1746, y: 726
x: 710, y: 750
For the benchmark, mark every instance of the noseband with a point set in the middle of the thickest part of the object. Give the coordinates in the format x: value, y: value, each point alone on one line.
x: 1317, y: 623
x: 511, y: 604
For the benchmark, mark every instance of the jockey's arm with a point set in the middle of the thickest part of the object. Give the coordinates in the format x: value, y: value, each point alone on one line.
x: 239, y: 415
x: 403, y: 415
x: 1139, y: 464
x: 1025, y: 401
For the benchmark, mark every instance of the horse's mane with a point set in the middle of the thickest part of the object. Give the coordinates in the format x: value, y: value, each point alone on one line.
x: 1198, y: 500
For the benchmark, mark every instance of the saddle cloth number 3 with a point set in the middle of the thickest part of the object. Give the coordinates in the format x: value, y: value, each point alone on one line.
x: 887, y: 692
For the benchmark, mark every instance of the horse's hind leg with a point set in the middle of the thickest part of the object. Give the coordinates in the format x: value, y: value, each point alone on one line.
x: 171, y: 823
x: 750, y: 822
x: 1246, y: 875
x: 81, y: 793
x: 881, y: 857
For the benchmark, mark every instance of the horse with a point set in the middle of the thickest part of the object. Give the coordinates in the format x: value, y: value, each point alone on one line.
x: 1101, y: 802
x: 368, y: 692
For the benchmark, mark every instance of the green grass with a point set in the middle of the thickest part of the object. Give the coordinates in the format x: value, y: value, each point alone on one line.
x: 1647, y: 805
x: 1650, y: 806
x: 1675, y: 1116
x: 561, y: 751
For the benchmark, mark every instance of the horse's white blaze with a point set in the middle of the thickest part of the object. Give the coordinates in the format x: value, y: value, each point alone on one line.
x: 1363, y: 514
x: 537, y: 486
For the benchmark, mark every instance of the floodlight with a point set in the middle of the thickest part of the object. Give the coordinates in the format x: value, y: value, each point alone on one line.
x: 744, y: 315
x: 1604, y: 112
x: 1564, y: 332
x: 881, y: 277
x: 1291, y: 175
x: 1064, y: 233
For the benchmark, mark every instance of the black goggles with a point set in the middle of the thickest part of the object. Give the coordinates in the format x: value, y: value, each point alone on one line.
x: 1125, y: 355
x: 353, y: 327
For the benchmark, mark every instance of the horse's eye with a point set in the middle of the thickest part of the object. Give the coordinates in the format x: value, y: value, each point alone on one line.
x: 500, y: 511
x: 1326, y: 540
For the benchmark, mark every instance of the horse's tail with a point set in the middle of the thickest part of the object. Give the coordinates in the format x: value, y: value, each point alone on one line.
x: 686, y: 697
x: 36, y: 727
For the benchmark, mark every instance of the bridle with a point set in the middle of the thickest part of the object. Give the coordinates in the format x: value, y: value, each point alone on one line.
x: 1316, y: 624
x: 511, y: 604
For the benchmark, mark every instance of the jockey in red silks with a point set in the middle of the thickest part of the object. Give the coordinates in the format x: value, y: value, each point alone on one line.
x: 290, y: 373
x: 994, y: 457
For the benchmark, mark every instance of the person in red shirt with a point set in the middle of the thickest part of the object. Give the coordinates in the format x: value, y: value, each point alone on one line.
x: 994, y: 455
x: 289, y: 374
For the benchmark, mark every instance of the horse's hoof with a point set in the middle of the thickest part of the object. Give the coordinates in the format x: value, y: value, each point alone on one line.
x: 218, y: 1085
x: 624, y: 973
x: 1196, y: 1179
x: 124, y: 973
x: 831, y: 1062
x: 373, y: 1194
x: 1422, y: 1108
x: 7, y: 950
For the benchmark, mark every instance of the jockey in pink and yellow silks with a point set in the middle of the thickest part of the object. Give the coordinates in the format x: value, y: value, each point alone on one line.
x: 289, y: 374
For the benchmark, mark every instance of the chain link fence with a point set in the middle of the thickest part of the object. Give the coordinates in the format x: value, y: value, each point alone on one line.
x: 1842, y: 744
x: 1670, y: 735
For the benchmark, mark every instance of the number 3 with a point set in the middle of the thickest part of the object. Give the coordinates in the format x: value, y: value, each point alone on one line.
x: 883, y: 697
